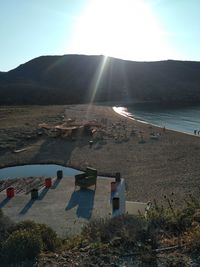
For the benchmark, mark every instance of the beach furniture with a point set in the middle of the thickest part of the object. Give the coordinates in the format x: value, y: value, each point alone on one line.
x: 86, y: 179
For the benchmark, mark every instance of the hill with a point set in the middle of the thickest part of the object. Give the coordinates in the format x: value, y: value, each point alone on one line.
x: 74, y: 79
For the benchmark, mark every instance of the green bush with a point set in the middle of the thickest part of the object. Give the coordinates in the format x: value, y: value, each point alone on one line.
x: 27, y: 225
x: 25, y: 240
x: 22, y: 245
x: 50, y: 240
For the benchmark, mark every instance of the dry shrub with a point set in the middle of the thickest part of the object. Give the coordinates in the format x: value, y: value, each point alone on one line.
x: 176, y: 260
x: 169, y: 218
x: 50, y: 240
x: 124, y: 230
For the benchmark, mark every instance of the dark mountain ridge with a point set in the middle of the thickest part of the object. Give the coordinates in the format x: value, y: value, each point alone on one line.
x: 78, y: 79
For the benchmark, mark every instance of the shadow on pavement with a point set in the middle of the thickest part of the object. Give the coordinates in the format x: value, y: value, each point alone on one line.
x: 84, y: 200
x: 56, y: 183
x: 4, y: 202
x: 43, y: 193
x: 27, y: 207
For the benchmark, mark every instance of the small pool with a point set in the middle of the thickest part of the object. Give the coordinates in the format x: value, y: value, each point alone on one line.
x: 45, y: 170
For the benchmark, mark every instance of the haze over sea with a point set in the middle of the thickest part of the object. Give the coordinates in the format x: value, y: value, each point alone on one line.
x: 179, y: 118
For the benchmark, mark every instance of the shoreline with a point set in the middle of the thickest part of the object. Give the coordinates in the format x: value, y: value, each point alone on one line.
x: 123, y: 111
x: 151, y: 169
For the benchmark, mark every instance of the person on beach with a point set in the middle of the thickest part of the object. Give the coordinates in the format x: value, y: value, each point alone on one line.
x: 198, y: 132
x: 195, y: 132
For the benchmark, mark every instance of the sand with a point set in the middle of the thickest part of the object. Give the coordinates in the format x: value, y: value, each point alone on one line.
x: 167, y: 164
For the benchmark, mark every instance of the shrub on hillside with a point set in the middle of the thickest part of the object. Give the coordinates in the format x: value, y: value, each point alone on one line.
x: 50, y: 240
x: 27, y: 225
x: 125, y: 230
x: 169, y: 218
x: 25, y: 240
x: 21, y: 245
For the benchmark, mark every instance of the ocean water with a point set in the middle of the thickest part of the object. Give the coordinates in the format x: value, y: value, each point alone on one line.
x: 179, y: 118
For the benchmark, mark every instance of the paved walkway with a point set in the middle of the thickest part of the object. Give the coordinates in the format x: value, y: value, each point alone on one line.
x: 60, y: 207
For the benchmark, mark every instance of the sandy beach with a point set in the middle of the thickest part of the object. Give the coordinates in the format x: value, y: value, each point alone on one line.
x: 153, y: 162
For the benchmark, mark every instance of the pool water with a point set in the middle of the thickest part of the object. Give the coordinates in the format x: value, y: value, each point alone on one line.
x: 45, y: 170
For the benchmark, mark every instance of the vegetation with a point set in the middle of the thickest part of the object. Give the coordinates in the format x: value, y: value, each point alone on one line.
x: 5, y: 226
x: 21, y: 245
x: 25, y: 240
x: 164, y: 236
x: 70, y: 79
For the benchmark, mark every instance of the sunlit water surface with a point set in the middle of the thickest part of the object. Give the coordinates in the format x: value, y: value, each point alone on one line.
x: 182, y: 119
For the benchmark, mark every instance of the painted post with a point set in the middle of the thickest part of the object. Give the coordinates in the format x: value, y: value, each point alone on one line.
x: 59, y: 174
x: 34, y: 194
x: 48, y: 182
x: 10, y: 192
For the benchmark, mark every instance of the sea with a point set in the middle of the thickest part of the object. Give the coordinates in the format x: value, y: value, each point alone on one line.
x: 175, y: 117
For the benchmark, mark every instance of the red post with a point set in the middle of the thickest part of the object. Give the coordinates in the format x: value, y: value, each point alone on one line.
x: 48, y: 182
x: 10, y: 192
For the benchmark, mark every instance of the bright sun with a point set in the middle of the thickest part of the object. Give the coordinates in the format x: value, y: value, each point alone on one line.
x: 120, y: 28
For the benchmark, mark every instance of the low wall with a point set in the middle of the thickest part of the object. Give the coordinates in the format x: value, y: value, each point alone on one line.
x: 136, y: 208
x: 121, y: 206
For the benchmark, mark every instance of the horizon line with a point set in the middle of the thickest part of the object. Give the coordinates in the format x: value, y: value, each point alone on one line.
x: 99, y: 55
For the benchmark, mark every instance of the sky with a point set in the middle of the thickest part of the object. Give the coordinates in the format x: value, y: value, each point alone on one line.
x: 138, y: 30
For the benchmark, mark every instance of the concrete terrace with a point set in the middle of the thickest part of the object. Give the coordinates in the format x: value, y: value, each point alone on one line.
x: 61, y: 207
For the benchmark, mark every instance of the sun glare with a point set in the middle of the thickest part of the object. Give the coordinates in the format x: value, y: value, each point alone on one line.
x: 120, y: 28
x: 96, y: 82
